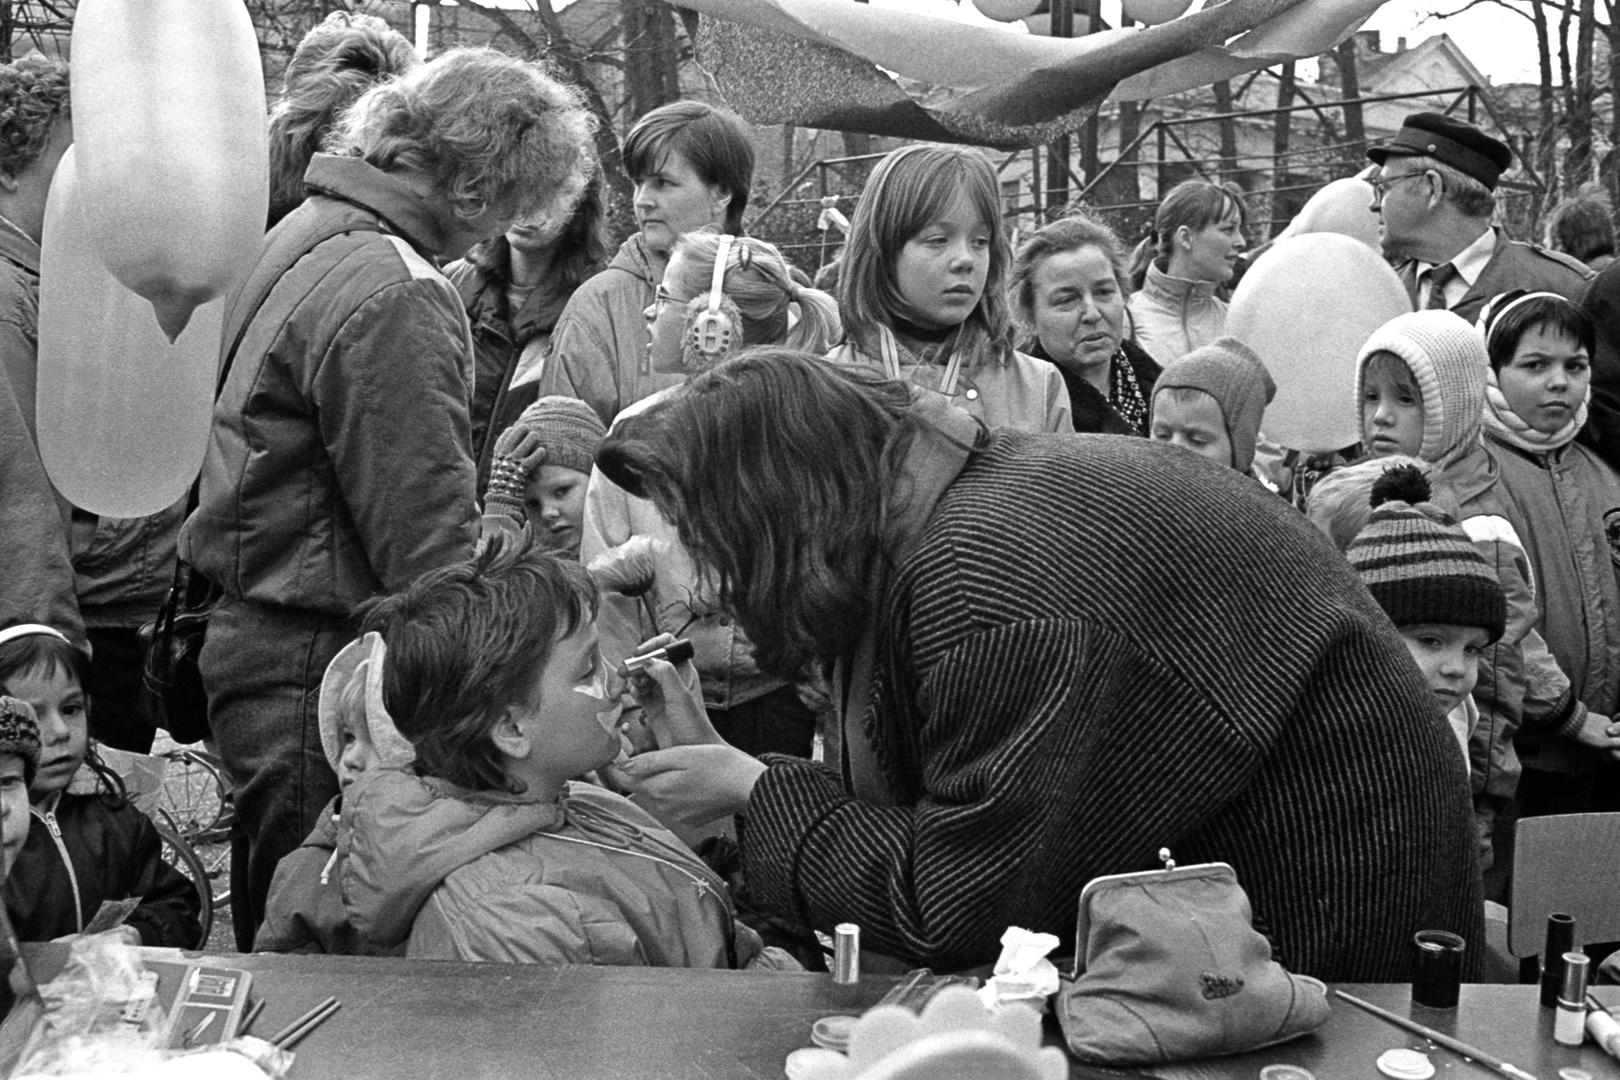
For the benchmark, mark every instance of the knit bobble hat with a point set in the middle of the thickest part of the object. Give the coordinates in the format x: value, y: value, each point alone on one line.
x: 1421, y: 566
x: 569, y: 428
x: 1230, y: 372
x: 19, y: 734
x: 1446, y: 356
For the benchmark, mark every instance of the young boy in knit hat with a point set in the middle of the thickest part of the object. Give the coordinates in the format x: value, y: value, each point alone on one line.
x: 19, y: 757
x: 1420, y: 389
x: 541, y: 468
x: 1211, y: 400
x: 1437, y: 589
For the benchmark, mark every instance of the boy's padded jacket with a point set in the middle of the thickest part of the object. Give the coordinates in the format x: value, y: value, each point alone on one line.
x: 599, y: 347
x: 110, y: 855
x: 589, y: 879
x: 339, y: 464
x: 1563, y: 505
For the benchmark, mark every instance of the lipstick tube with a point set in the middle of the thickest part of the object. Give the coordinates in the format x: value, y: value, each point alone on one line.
x: 1569, y: 1028
x: 1560, y: 940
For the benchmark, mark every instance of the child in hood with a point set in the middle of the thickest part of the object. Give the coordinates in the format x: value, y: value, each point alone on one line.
x: 541, y: 469
x: 305, y: 912
x: 1420, y: 385
x: 488, y: 849
x: 1211, y: 402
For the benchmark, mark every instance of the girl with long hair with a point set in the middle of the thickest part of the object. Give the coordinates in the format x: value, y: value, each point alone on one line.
x: 1181, y: 269
x: 923, y: 290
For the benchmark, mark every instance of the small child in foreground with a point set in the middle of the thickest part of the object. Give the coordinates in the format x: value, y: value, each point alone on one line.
x: 489, y: 849
x: 1437, y: 589
x: 87, y: 842
x: 304, y: 911
x: 541, y: 469
x: 1211, y: 402
x: 19, y: 757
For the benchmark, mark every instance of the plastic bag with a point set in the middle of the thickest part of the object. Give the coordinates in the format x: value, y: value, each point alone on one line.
x: 101, y: 1013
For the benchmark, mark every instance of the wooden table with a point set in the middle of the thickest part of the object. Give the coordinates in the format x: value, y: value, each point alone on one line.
x: 431, y: 1020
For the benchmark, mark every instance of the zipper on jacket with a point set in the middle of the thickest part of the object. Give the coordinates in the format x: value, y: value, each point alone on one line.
x: 49, y: 818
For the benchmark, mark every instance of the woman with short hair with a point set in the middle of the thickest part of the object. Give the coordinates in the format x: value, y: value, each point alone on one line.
x: 339, y: 465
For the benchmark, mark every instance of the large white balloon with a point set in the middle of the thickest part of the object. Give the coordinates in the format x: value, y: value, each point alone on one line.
x: 1341, y: 206
x: 169, y: 118
x: 122, y: 413
x: 1007, y: 10
x: 1306, y: 306
x: 1154, y: 12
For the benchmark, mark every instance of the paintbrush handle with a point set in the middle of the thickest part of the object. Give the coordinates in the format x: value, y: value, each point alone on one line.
x: 1440, y: 1037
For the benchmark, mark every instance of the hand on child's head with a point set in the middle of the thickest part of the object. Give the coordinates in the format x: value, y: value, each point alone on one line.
x: 522, y: 445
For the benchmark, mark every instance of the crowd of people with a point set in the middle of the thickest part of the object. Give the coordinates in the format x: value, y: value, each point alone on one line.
x: 983, y: 570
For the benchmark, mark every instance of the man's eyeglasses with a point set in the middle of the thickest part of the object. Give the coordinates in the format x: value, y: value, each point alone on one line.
x: 1383, y: 183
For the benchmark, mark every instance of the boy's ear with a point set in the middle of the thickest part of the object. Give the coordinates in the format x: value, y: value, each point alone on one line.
x: 509, y: 738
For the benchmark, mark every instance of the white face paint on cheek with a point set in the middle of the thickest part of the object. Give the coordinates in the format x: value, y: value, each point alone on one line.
x: 597, y: 690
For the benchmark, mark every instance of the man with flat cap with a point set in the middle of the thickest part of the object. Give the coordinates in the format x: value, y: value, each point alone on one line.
x: 1434, y: 195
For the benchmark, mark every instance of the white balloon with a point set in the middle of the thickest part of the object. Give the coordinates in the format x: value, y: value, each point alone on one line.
x: 1342, y: 206
x: 1306, y: 306
x: 1007, y: 10
x: 1154, y: 12
x: 169, y: 118
x: 122, y: 414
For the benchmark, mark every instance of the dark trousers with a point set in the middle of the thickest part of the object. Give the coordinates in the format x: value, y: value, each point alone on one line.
x: 116, y: 718
x: 773, y: 723
x: 262, y: 668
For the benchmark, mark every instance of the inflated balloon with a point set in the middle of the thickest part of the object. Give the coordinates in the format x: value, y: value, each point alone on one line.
x: 1306, y: 306
x: 1343, y: 206
x: 1006, y: 10
x: 169, y: 118
x: 122, y: 413
x: 1154, y: 12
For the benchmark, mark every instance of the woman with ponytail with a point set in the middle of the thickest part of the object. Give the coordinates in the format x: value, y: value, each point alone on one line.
x: 1180, y: 270
x: 649, y: 582
x: 1564, y: 502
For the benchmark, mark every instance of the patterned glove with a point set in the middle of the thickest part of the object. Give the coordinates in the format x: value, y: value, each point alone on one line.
x: 518, y: 453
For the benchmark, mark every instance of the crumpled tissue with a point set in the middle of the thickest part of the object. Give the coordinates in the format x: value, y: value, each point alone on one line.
x: 1022, y: 972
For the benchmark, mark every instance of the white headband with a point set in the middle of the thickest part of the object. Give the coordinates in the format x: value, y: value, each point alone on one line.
x: 29, y: 629
x: 1490, y: 318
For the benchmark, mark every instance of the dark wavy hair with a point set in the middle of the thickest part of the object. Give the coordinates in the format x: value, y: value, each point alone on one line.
x: 466, y: 641
x: 713, y: 142
x: 341, y: 58
x: 582, y: 249
x: 33, y: 93
x: 1074, y: 231
x: 908, y: 189
x: 1504, y: 322
x: 775, y: 468
x: 1582, y: 227
x: 50, y: 655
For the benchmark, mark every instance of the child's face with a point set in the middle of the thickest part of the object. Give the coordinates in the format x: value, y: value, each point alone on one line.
x: 1546, y: 380
x: 1391, y: 410
x: 667, y: 318
x: 555, y: 503
x: 1448, y: 656
x: 1193, y: 421
x: 358, y: 754
x: 13, y: 810
x: 64, y: 725
x: 571, y: 710
x: 941, y: 271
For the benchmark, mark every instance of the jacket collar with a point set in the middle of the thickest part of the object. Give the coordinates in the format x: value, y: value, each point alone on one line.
x: 1162, y: 287
x: 937, y: 455
x: 365, y: 185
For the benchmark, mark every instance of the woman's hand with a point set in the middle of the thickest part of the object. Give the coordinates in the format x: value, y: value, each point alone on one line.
x: 1601, y: 733
x: 671, y: 699
x: 691, y: 784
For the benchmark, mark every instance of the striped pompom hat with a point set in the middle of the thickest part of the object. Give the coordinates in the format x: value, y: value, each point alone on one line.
x: 1419, y: 565
x: 19, y: 734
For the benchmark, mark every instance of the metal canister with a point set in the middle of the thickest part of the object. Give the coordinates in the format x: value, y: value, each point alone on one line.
x: 846, y: 953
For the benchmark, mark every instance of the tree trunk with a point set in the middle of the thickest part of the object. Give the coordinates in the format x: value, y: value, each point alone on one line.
x: 650, y: 75
x: 1279, y: 148
x: 1579, y: 113
x: 1130, y: 126
x: 1547, y: 137
x: 1611, y: 157
x: 1355, y: 128
x: 1227, y: 127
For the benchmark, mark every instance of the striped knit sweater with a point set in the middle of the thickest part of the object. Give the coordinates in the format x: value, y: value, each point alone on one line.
x: 1104, y: 646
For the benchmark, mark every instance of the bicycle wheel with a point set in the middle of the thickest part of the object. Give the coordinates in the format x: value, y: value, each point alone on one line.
x: 179, y: 854
x: 195, y: 798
